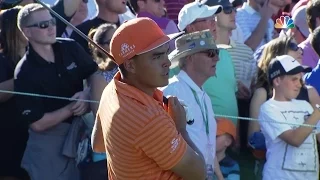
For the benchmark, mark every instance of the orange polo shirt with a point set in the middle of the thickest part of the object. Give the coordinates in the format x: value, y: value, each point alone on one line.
x: 140, y: 137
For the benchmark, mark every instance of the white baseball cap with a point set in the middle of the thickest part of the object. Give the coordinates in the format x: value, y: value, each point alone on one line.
x: 195, y: 10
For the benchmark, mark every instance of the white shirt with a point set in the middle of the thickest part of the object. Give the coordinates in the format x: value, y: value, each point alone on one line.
x: 180, y: 86
x: 286, y: 162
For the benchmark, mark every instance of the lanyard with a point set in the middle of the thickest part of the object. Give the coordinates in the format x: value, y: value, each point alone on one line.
x: 203, y: 112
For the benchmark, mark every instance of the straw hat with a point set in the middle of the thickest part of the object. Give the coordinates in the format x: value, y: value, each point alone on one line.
x: 191, y: 43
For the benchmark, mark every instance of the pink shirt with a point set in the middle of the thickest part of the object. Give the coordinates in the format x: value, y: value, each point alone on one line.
x: 310, y: 57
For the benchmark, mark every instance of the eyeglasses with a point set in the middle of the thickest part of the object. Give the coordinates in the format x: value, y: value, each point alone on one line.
x: 156, y: 1
x: 229, y: 9
x: 211, y: 53
x: 44, y: 24
x: 85, y: 1
x: 295, y: 47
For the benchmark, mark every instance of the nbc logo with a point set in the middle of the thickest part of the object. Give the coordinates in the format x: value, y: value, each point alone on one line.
x: 284, y: 22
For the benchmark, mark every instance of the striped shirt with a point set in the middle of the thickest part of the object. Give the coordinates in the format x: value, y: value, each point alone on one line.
x: 140, y: 137
x: 173, y: 8
x: 247, y: 18
x: 244, y: 64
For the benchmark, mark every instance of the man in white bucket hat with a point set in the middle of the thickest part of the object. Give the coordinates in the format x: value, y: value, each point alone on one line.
x: 196, y: 54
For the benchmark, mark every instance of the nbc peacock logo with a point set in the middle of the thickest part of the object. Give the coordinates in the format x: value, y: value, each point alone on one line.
x: 284, y: 22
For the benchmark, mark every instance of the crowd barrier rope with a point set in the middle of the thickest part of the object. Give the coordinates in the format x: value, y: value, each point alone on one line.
x: 92, y: 101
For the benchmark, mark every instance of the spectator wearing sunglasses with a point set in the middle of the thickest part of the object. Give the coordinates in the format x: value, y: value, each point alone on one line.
x: 300, y: 32
x: 236, y: 34
x: 242, y: 58
x: 95, y: 166
x: 109, y: 11
x: 196, y: 54
x: 154, y: 9
x: 310, y: 57
x: 102, y: 36
x: 55, y: 67
x: 197, y: 16
x: 65, y: 8
x: 280, y: 46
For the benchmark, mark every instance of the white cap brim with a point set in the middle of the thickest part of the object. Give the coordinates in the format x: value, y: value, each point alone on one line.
x: 212, y: 10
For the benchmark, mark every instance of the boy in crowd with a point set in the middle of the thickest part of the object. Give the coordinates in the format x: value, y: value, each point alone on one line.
x: 288, y: 125
x: 226, y: 137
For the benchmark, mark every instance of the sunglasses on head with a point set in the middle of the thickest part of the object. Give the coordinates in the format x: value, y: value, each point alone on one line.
x: 294, y: 47
x: 44, y: 24
x: 229, y: 9
x: 212, y: 52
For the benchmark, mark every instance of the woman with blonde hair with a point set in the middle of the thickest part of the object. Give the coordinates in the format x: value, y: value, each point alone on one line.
x: 280, y: 46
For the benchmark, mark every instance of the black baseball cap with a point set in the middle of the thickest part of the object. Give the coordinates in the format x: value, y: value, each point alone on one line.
x: 285, y: 65
x: 223, y: 3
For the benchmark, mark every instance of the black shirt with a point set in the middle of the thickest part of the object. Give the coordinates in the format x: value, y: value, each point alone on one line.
x: 7, y: 108
x: 62, y: 78
x: 13, y: 132
x: 85, y: 28
x: 58, y: 7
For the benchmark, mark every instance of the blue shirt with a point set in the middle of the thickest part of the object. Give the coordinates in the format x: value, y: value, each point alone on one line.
x: 312, y: 78
x: 229, y: 169
x: 257, y: 54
